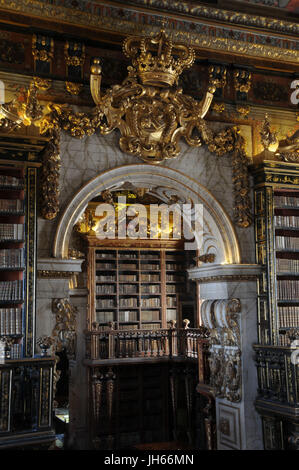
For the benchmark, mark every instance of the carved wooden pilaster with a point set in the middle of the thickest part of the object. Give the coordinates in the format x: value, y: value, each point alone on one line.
x: 97, y: 387
x: 110, y: 382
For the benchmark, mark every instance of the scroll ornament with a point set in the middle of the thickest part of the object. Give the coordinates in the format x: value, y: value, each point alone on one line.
x: 64, y: 332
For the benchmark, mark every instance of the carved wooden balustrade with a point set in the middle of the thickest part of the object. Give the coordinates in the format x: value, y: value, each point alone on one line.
x: 160, y: 343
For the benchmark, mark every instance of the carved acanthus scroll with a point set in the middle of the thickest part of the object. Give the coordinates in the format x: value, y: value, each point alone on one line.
x: 221, y: 318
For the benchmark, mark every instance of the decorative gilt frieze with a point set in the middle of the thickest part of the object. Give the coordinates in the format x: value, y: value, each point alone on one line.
x: 73, y: 88
x: 43, y: 84
x: 45, y: 274
x: 221, y: 317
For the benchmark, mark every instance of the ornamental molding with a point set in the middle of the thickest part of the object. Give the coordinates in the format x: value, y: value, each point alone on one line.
x: 225, y: 273
x: 227, y: 279
x: 44, y: 274
x: 221, y: 318
x: 150, y: 111
x: 124, y: 20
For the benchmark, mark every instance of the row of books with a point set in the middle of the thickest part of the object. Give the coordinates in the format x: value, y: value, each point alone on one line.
x: 10, y: 321
x: 11, y: 231
x: 104, y: 317
x: 122, y: 255
x: 171, y: 302
x: 284, y: 340
x: 128, y: 302
x: 290, y: 221
x: 12, y: 258
x: 127, y: 316
x: 104, y: 303
x: 11, y: 181
x: 11, y: 290
x: 11, y: 205
x: 287, y: 243
x: 151, y: 302
x: 171, y: 314
x: 288, y: 316
x: 105, y: 254
x: 150, y: 289
x: 128, y: 278
x: 150, y: 315
x: 150, y: 267
x: 150, y: 326
x: 15, y: 353
x: 150, y: 256
x: 172, y: 289
x: 286, y: 201
x: 174, y: 266
x: 105, y: 266
x: 128, y: 327
x: 128, y: 289
x: 150, y: 277
x: 127, y: 266
x: 105, y: 278
x: 105, y: 289
x: 287, y: 265
x: 288, y: 290
x: 174, y: 278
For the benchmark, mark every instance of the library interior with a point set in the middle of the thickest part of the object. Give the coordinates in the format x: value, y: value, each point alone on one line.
x: 149, y: 225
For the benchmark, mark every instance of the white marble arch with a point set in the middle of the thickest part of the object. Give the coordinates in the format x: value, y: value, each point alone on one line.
x: 219, y: 234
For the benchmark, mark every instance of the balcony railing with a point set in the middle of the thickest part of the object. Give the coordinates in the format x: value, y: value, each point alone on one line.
x: 123, y: 344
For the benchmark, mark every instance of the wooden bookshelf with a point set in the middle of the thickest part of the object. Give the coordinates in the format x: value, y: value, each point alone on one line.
x: 12, y: 239
x: 135, y: 287
x: 286, y: 229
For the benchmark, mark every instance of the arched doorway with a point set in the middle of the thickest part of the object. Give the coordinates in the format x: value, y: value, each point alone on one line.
x: 219, y: 237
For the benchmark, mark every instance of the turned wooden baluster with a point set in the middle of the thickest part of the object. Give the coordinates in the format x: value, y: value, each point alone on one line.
x: 173, y: 338
x: 186, y: 346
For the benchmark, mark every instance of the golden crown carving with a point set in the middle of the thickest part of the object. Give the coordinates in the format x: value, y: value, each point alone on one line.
x: 149, y: 108
x: 157, y: 60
